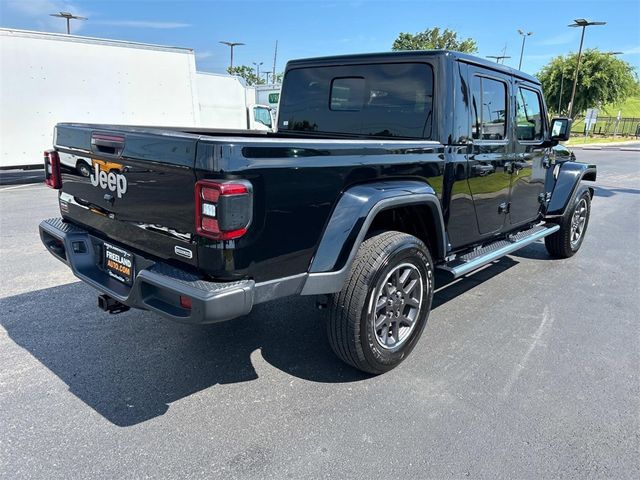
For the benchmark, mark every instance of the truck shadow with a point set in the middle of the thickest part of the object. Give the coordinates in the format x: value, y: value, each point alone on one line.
x: 131, y: 367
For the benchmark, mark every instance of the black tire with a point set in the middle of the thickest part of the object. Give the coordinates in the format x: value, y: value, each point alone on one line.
x: 351, y: 327
x: 565, y: 242
x: 83, y: 168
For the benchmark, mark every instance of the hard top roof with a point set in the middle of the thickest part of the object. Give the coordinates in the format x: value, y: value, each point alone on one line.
x: 411, y: 54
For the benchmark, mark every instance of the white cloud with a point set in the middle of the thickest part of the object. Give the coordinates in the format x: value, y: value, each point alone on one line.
x: 564, y: 38
x: 203, y: 55
x: 632, y: 51
x: 142, y: 24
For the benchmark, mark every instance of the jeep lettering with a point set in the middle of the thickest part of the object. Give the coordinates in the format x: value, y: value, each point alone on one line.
x: 115, y: 182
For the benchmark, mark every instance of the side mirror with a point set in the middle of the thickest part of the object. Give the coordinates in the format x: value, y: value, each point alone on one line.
x: 560, y: 129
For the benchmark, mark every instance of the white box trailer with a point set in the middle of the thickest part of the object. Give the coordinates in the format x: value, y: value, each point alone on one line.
x: 226, y: 102
x: 268, y: 95
x: 46, y: 78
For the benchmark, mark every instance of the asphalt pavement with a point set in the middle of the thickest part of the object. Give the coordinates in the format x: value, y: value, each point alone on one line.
x: 527, y: 369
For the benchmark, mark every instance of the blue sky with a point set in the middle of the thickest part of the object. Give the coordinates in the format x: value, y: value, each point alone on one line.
x: 328, y: 27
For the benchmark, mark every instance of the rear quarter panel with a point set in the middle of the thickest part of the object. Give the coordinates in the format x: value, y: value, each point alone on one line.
x: 296, y: 187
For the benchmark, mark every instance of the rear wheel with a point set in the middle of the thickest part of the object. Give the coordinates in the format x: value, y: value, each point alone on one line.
x: 573, y: 226
x: 378, y: 317
x: 83, y: 168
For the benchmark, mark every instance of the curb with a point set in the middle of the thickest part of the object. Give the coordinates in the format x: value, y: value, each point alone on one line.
x: 593, y: 146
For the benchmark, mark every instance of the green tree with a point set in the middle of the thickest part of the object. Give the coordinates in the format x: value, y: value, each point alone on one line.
x: 434, y: 39
x: 602, y: 79
x: 246, y: 72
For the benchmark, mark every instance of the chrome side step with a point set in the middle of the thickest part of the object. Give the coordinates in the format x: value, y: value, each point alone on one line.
x: 493, y: 251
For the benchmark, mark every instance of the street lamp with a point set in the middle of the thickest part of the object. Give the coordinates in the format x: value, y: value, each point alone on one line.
x: 68, y: 16
x: 231, y: 45
x: 258, y: 68
x: 498, y: 57
x: 524, y: 37
x: 580, y: 22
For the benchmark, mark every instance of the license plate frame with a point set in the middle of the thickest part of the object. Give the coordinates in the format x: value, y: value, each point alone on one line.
x: 119, y: 263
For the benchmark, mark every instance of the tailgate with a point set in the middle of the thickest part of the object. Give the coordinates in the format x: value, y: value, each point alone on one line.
x: 134, y: 186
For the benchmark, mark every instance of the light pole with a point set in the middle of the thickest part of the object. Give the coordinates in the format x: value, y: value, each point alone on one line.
x: 258, y: 69
x: 231, y: 45
x: 68, y: 16
x: 579, y: 22
x: 524, y: 37
x: 499, y: 57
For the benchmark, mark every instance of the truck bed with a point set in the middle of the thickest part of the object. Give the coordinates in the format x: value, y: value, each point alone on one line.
x: 296, y: 183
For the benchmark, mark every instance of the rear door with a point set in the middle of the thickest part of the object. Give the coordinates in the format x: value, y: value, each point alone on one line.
x: 490, y: 152
x: 530, y: 162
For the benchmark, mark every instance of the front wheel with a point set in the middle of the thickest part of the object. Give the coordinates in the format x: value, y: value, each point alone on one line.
x: 573, y: 226
x: 378, y: 317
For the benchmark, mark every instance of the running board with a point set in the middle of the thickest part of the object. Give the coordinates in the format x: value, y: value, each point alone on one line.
x: 493, y: 251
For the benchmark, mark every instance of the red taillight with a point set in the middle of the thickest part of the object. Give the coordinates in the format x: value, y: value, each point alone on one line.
x: 223, y: 209
x: 52, y: 175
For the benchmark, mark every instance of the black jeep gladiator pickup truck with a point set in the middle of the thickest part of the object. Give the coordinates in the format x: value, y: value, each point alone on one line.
x: 383, y: 168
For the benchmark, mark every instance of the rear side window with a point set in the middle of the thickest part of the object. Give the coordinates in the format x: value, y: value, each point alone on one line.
x: 529, y: 115
x: 382, y: 100
x: 488, y: 109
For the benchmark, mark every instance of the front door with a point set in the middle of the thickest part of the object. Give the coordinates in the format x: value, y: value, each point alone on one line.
x: 529, y: 166
x: 490, y: 155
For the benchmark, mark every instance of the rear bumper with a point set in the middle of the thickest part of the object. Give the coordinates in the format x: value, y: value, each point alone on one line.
x: 156, y: 286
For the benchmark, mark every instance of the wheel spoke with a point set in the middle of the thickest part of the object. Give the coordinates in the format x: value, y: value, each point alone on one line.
x: 382, y: 301
x: 405, y: 320
x: 385, y: 335
x: 404, y: 277
x: 396, y: 332
x: 388, y: 288
x: 412, y: 302
x: 380, y: 320
x: 409, y: 288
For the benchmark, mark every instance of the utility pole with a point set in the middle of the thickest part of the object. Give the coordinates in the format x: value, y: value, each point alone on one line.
x: 68, y: 16
x: 275, y: 55
x: 231, y: 45
x: 580, y: 22
x: 524, y: 37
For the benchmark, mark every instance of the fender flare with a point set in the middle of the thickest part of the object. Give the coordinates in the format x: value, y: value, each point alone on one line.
x: 570, y: 176
x: 349, y: 222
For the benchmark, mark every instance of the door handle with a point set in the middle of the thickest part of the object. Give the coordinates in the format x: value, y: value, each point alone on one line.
x: 105, y: 143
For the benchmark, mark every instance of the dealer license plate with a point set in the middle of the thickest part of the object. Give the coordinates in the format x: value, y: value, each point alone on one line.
x: 119, y: 263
